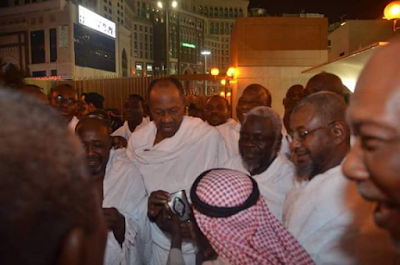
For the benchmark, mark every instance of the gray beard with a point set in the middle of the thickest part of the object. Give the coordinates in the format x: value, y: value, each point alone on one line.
x: 250, y: 166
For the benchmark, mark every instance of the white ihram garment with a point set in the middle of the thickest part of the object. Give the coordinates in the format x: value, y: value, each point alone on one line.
x: 124, y: 130
x: 173, y: 165
x: 124, y: 190
x: 333, y: 223
x: 230, y: 131
x: 72, y: 124
x: 274, y: 183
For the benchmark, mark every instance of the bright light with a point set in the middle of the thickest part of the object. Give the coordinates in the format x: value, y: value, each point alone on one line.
x: 174, y: 4
x: 205, y: 53
x: 342, y: 24
x: 160, y: 4
x: 94, y: 21
x: 228, y: 94
x: 222, y: 94
x: 349, y: 82
x: 231, y: 71
x: 223, y: 82
x: 214, y: 71
x: 392, y: 10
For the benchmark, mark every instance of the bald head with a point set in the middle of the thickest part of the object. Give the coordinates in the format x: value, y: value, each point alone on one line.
x: 378, y: 87
x: 324, y: 82
x: 35, y: 92
x: 326, y: 105
x: 254, y: 95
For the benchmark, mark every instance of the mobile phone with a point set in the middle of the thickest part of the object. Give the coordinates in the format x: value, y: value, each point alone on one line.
x: 179, y: 205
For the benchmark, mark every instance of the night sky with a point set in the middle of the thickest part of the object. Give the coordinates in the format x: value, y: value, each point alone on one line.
x: 333, y: 9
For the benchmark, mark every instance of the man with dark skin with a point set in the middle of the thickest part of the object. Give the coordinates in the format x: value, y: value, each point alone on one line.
x: 293, y: 96
x: 169, y: 152
x: 253, y: 96
x: 133, y: 113
x: 95, y: 136
x: 374, y: 160
x: 259, y: 145
x: 49, y: 210
x: 122, y: 189
x: 217, y: 110
x: 323, y: 210
x: 65, y: 99
x: 325, y: 82
x: 82, y: 109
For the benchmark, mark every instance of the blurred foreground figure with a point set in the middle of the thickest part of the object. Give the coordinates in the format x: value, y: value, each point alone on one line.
x: 374, y: 160
x: 34, y: 91
x: 170, y: 152
x: 236, y: 222
x: 64, y: 98
x: 123, y: 192
x: 259, y: 145
x: 49, y: 211
x: 323, y: 210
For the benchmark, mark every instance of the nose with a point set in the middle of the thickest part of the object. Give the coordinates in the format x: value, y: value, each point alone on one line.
x: 354, y: 166
x: 89, y: 150
x: 167, y: 118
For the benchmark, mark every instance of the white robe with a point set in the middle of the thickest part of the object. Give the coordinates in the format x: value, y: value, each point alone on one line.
x: 124, y: 130
x: 173, y: 165
x: 230, y: 131
x: 274, y: 183
x: 124, y: 190
x: 333, y: 223
x: 72, y: 124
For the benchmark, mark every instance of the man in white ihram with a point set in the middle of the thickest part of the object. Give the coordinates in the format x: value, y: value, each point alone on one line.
x: 171, y: 152
x: 259, y: 145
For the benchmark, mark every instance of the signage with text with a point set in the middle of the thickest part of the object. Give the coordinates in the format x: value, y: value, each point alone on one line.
x: 96, y: 22
x: 189, y: 45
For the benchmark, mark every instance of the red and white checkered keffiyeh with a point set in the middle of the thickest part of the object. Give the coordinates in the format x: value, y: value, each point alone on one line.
x: 252, y: 236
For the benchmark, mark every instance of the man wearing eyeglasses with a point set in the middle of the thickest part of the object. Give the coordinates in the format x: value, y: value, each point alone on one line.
x: 65, y: 99
x: 323, y: 210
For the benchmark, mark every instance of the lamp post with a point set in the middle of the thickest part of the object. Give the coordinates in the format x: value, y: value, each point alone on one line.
x: 392, y: 12
x: 205, y: 53
x: 168, y: 5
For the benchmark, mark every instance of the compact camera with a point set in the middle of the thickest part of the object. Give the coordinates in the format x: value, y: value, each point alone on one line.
x: 179, y: 205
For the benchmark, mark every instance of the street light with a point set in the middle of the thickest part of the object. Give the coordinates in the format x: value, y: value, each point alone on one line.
x: 392, y: 12
x: 214, y: 71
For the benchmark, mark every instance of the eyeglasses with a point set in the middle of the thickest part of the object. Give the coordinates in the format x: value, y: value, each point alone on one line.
x: 60, y: 100
x: 301, y: 136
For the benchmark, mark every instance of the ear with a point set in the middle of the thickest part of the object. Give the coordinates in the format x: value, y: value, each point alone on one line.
x: 72, y: 248
x: 339, y: 132
x: 284, y: 102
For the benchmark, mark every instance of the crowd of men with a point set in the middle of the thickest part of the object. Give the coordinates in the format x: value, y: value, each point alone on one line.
x: 315, y: 186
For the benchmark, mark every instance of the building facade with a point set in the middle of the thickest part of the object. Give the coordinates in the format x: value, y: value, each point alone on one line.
x: 47, y: 37
x: 57, y: 38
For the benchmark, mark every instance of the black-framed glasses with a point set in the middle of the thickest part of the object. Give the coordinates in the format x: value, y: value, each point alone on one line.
x: 301, y: 136
x: 60, y: 100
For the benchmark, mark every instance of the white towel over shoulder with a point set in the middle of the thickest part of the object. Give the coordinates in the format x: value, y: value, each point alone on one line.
x: 230, y: 131
x: 124, y: 190
x: 274, y: 183
x: 173, y: 165
x: 330, y: 220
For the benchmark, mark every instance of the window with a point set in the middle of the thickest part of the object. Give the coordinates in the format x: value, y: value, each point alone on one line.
x: 39, y: 74
x: 140, y: 28
x: 53, y: 45
x: 37, y: 47
x: 53, y: 72
x: 105, y: 8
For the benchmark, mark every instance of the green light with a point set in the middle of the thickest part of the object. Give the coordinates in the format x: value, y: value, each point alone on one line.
x: 189, y: 45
